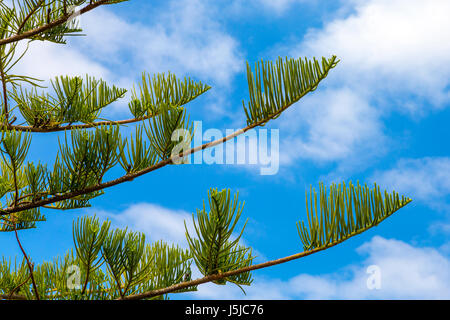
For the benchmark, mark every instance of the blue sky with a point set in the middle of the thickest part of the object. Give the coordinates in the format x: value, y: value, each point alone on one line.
x: 380, y: 116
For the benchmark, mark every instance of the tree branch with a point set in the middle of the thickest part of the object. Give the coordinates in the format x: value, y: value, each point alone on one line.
x: 22, y: 25
x: 29, y: 264
x: 52, y: 24
x: 13, y: 297
x: 224, y: 275
x: 78, y: 126
x: 125, y: 178
x: 5, y: 93
x: 131, y: 176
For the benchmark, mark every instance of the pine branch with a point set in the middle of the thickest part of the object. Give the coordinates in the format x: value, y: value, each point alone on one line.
x: 124, y: 178
x: 132, y: 175
x: 58, y: 22
x: 274, y: 88
x: 13, y: 297
x: 221, y: 276
x: 80, y: 126
x: 32, y: 11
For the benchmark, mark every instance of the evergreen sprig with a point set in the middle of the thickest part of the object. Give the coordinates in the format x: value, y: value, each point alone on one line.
x: 160, y: 92
x: 75, y: 100
x: 165, y: 129
x: 139, y: 155
x: 91, y: 155
x: 106, y: 264
x: 273, y: 88
x: 345, y: 211
x: 213, y: 250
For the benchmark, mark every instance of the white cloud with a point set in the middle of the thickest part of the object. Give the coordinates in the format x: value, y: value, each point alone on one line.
x: 395, y: 55
x: 390, y: 46
x: 46, y: 60
x: 424, y: 179
x: 181, y: 37
x: 156, y: 222
x: 330, y: 125
x: 407, y: 272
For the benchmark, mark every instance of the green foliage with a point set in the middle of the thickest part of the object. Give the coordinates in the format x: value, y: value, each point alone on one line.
x: 170, y: 264
x: 107, y: 264
x: 13, y: 277
x: 345, y: 212
x: 273, y: 88
x: 29, y: 14
x: 165, y: 129
x: 139, y: 155
x: 91, y: 155
x: 161, y: 93
x: 8, y: 54
x: 22, y: 220
x: 15, y: 144
x: 75, y: 100
x: 214, y: 252
x: 111, y: 263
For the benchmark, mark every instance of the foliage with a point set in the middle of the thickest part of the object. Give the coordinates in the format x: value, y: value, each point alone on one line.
x: 213, y: 251
x: 108, y: 263
x: 345, y: 212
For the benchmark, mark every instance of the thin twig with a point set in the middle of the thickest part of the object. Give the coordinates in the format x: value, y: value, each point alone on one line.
x: 29, y: 264
x: 13, y: 291
x: 22, y: 25
x: 78, y: 126
x: 5, y: 93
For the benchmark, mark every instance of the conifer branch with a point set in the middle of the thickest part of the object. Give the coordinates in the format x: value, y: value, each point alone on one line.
x: 32, y: 11
x: 367, y: 214
x: 5, y: 92
x: 13, y: 296
x: 79, y: 126
x: 129, y: 176
x: 52, y: 24
x: 225, y: 275
x: 124, y: 178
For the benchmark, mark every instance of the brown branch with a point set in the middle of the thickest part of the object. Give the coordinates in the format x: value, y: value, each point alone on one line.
x: 13, y: 297
x: 29, y: 264
x: 187, y: 284
x: 13, y: 291
x: 5, y: 93
x: 22, y: 25
x: 125, y: 178
x: 78, y: 126
x: 52, y: 24
x: 132, y: 176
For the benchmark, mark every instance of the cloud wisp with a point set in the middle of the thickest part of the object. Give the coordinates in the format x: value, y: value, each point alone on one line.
x: 406, y: 272
x: 390, y: 66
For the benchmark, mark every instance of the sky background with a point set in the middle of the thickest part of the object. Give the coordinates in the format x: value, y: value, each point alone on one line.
x: 380, y: 116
